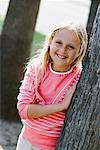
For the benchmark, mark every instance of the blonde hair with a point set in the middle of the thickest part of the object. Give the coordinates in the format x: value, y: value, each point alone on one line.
x: 80, y: 32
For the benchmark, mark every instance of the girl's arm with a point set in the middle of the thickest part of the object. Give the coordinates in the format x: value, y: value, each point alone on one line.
x: 26, y: 94
x: 36, y: 110
x: 26, y: 104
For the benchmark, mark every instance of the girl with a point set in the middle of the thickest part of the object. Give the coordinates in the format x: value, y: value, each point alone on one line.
x: 48, y: 86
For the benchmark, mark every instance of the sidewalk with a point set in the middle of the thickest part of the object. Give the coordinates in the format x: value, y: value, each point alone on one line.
x: 9, y: 132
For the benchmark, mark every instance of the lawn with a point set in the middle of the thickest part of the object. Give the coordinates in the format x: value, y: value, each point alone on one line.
x: 37, y: 43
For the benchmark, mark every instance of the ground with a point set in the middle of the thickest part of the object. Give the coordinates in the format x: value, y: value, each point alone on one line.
x: 9, y: 132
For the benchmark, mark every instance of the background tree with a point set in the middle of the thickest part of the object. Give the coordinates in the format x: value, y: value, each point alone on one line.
x: 92, y: 13
x: 81, y: 129
x: 16, y: 39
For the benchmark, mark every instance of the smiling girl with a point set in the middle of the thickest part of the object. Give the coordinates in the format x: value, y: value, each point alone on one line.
x: 48, y: 86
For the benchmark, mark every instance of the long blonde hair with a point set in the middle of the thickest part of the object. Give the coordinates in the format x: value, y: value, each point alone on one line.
x: 80, y: 32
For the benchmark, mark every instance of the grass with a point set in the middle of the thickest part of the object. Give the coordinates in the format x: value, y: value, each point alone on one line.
x: 37, y: 43
x: 38, y: 37
x: 1, y: 22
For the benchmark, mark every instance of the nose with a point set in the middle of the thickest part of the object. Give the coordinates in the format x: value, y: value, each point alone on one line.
x: 63, y: 49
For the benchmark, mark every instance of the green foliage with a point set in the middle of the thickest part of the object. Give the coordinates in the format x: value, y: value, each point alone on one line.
x: 1, y: 23
x: 38, y: 37
x: 38, y: 42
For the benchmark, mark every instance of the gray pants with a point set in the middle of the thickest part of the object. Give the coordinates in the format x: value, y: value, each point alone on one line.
x: 23, y: 144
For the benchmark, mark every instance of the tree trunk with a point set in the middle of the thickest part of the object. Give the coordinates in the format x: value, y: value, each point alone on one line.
x: 16, y: 39
x: 81, y: 129
x: 92, y: 13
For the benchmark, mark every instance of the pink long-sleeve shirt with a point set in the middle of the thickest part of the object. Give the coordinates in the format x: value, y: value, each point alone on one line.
x: 44, y: 132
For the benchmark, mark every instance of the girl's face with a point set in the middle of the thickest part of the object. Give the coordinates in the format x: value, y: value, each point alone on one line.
x: 64, y: 49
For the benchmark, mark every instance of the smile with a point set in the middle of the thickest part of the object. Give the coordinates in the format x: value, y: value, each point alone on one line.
x: 61, y: 56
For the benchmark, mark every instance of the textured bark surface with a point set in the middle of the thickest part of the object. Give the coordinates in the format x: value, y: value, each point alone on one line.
x: 16, y: 39
x: 92, y: 13
x: 81, y: 129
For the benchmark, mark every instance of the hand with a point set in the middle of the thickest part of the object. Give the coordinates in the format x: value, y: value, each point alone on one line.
x: 66, y: 101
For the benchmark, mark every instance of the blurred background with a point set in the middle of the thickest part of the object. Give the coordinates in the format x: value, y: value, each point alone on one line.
x: 53, y: 12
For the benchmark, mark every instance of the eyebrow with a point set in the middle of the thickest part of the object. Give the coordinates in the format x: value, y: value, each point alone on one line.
x: 69, y: 44
x: 74, y: 46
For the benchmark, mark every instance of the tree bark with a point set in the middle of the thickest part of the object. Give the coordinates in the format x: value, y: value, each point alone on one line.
x: 92, y: 13
x: 81, y: 129
x: 16, y: 39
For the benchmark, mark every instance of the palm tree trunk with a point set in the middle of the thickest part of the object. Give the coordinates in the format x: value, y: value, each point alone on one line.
x: 81, y: 129
x: 92, y: 13
x: 16, y: 39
